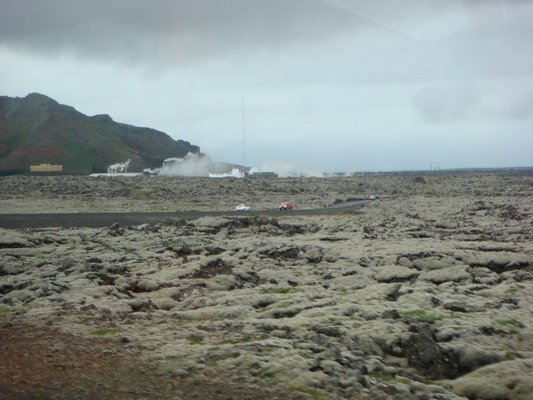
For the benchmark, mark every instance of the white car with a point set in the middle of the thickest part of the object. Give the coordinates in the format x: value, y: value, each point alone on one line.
x: 242, y: 207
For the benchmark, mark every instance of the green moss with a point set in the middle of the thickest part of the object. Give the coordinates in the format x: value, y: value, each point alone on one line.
x: 514, y: 288
x: 383, y: 377
x: 312, y: 392
x: 455, y: 315
x: 434, y: 383
x: 390, y: 378
x: 105, y: 331
x: 272, y: 378
x: 263, y: 352
x: 196, y: 339
x: 242, y: 339
x: 306, y: 354
x: 174, y: 244
x: 510, y: 321
x: 405, y: 381
x: 422, y: 315
x: 285, y: 290
x: 86, y: 318
x: 212, y: 358
x: 5, y: 310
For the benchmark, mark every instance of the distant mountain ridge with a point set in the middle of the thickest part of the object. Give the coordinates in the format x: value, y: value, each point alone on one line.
x: 37, y: 129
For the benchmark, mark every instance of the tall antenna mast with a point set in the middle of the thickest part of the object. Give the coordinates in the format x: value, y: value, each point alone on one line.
x: 243, y: 154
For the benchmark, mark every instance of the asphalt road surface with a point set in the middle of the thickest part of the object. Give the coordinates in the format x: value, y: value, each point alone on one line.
x: 96, y: 220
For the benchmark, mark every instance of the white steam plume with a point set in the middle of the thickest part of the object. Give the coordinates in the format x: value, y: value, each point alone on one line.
x: 285, y: 170
x: 119, y: 167
x: 235, y: 173
x: 190, y: 165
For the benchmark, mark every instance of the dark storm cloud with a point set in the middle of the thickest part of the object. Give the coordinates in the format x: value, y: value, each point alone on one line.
x: 308, y: 41
x: 179, y: 30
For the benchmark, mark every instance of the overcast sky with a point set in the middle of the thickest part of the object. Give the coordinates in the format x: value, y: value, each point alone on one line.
x: 331, y: 85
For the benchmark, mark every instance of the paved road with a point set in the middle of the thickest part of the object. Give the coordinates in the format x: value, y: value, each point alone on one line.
x: 93, y: 220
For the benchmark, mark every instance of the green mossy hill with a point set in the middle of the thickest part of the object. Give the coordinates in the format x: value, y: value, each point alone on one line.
x: 36, y: 129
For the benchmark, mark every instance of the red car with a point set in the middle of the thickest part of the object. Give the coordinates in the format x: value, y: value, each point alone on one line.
x: 285, y: 206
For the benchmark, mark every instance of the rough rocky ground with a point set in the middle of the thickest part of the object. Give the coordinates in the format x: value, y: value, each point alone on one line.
x: 46, y: 194
x: 423, y: 294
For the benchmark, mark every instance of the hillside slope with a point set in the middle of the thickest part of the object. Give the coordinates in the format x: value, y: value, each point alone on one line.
x: 37, y: 129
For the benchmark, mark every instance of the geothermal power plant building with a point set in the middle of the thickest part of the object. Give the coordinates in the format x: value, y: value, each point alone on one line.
x: 46, y: 168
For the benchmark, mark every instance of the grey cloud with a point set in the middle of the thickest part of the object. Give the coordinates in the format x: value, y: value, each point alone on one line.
x: 469, y: 102
x: 309, y: 71
x: 444, y: 104
x: 173, y: 31
x: 433, y: 20
x: 298, y: 41
x: 491, y: 12
x: 520, y: 107
x: 393, y: 11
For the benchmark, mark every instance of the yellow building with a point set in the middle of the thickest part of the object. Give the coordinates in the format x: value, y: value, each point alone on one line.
x: 46, y: 168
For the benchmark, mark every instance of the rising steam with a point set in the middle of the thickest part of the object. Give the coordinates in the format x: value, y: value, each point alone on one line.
x: 190, y: 165
x: 284, y: 170
x: 197, y: 165
x: 119, y: 168
x: 201, y: 165
x: 235, y: 173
